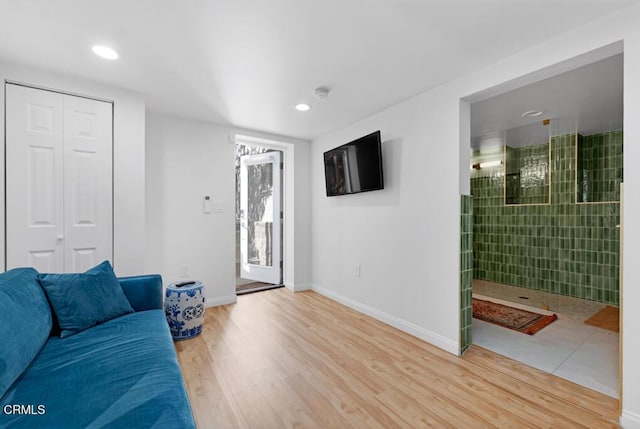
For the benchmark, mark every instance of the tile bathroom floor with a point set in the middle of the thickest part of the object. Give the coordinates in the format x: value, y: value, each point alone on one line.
x: 568, y: 348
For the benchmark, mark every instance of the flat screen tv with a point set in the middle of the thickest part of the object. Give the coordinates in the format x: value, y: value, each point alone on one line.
x: 354, y: 167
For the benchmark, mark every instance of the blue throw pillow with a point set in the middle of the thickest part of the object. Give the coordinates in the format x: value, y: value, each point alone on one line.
x: 83, y: 300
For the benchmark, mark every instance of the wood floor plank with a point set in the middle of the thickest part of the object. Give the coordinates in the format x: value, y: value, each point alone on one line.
x: 591, y: 400
x: 564, y: 389
x: 437, y: 386
x: 282, y: 360
x: 498, y: 398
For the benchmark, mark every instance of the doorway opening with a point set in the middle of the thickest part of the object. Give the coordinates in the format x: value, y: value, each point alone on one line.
x: 546, y: 174
x: 259, y: 217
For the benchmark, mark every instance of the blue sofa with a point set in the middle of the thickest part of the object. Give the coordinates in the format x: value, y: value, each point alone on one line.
x: 122, y: 373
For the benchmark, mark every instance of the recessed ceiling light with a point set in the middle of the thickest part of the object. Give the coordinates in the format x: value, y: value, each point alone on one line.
x: 532, y: 113
x: 302, y: 107
x: 105, y: 52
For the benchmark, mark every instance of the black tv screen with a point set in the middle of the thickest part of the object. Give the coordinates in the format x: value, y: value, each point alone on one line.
x: 354, y: 167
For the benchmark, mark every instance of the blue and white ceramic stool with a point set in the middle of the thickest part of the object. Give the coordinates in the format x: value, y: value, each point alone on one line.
x: 184, y: 308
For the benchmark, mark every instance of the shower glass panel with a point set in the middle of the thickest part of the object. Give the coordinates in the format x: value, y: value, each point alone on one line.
x: 527, y: 165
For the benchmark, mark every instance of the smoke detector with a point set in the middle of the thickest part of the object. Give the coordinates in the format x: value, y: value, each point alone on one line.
x: 321, y: 92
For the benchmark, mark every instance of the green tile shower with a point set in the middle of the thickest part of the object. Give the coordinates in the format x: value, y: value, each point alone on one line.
x: 561, y: 238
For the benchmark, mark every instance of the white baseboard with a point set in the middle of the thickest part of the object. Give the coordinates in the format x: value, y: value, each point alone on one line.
x: 221, y: 300
x: 401, y: 324
x: 630, y: 420
x: 299, y: 287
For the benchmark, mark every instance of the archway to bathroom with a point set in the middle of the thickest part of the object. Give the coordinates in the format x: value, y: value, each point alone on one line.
x: 545, y: 173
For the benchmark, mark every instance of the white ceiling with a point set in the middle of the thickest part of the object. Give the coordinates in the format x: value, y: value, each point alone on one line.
x: 588, y: 100
x: 247, y: 62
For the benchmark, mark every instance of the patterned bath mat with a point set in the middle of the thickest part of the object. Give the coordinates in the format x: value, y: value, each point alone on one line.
x: 519, y: 320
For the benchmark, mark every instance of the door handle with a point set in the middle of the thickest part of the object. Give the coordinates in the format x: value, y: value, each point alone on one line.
x: 59, y: 238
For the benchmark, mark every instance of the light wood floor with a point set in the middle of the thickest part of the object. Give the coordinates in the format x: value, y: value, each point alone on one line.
x: 278, y: 359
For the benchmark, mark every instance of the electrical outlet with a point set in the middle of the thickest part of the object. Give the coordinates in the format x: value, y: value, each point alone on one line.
x: 357, y: 270
x: 184, y: 271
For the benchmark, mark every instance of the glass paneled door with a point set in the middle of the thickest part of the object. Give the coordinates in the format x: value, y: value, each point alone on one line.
x: 260, y: 220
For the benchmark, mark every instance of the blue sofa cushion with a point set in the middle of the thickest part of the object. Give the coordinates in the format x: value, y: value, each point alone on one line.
x: 82, y: 300
x: 123, y: 373
x: 25, y: 320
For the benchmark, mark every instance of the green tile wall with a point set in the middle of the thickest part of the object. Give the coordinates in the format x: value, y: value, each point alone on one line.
x: 466, y: 270
x: 600, y: 167
x: 562, y: 247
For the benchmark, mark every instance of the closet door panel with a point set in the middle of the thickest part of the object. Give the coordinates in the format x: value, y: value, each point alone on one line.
x: 59, y: 191
x: 87, y: 185
x: 34, y: 156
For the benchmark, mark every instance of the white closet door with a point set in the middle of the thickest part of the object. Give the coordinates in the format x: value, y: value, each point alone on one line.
x: 87, y: 183
x: 59, y: 180
x: 34, y: 154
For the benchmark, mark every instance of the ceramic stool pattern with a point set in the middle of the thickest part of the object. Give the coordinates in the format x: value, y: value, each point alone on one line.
x: 184, y: 306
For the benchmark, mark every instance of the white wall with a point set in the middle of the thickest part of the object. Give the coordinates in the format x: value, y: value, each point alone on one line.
x: 303, y: 216
x: 186, y: 160
x: 631, y: 250
x: 406, y: 238
x: 403, y: 237
x: 128, y: 159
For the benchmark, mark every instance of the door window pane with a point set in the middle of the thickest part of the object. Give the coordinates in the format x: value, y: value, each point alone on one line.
x: 260, y: 214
